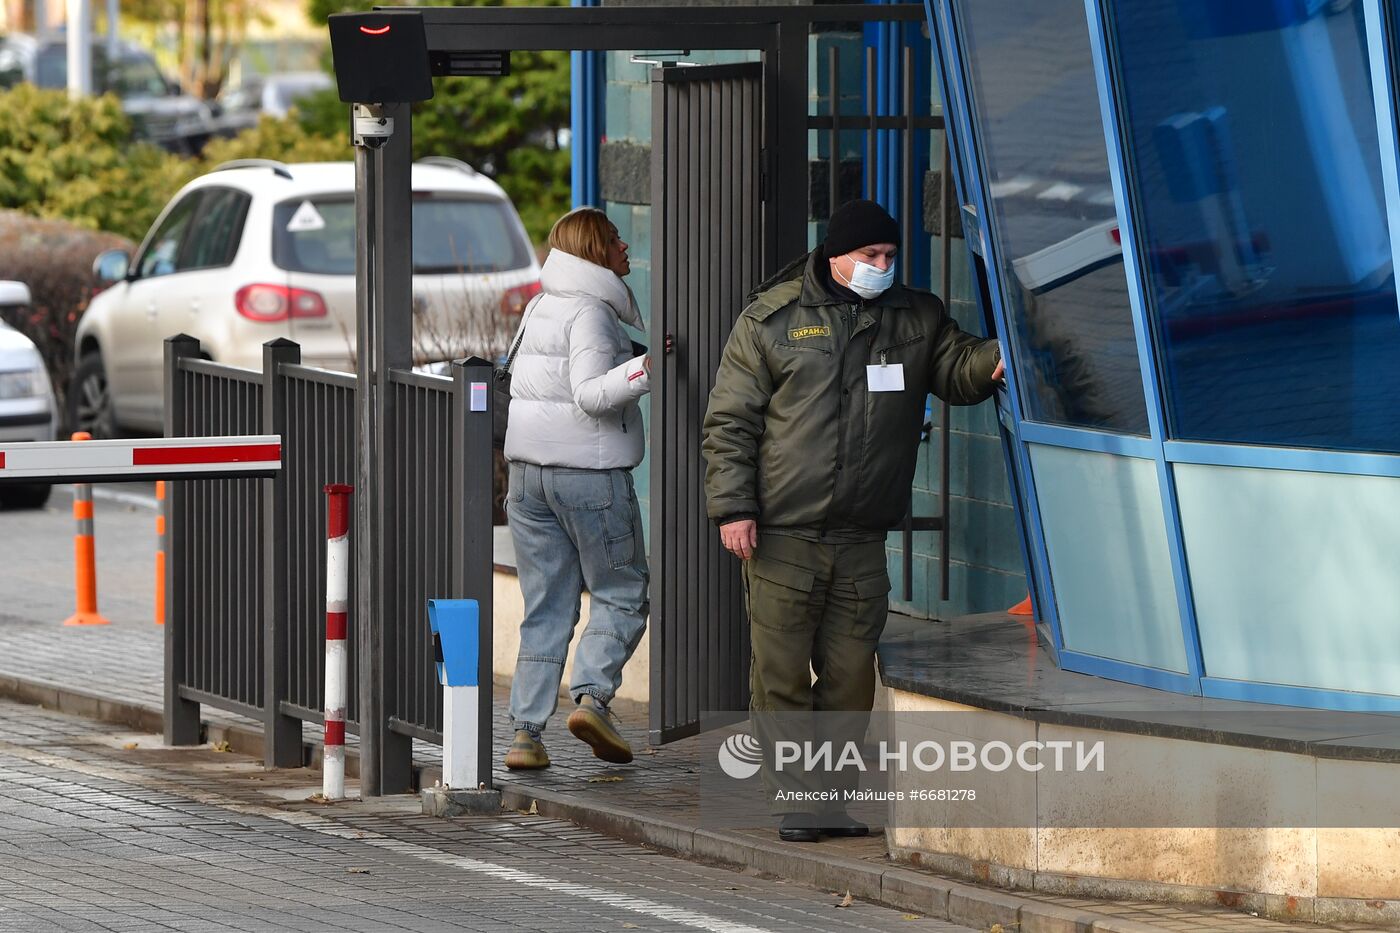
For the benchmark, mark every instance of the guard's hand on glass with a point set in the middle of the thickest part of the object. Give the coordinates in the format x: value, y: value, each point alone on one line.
x: 999, y: 374
x: 740, y: 538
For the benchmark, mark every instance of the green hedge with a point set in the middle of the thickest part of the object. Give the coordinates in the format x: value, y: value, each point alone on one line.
x: 77, y: 161
x: 54, y: 258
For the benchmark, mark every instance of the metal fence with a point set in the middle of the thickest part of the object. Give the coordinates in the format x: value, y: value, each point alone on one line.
x: 216, y: 531
x: 318, y: 431
x: 420, y: 495
x: 246, y: 604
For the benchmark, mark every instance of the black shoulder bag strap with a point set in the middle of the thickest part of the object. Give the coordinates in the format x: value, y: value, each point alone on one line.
x: 524, y: 318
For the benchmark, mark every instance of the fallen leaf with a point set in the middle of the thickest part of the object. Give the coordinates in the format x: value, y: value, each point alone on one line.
x: 847, y: 901
x: 605, y: 779
x: 911, y: 917
x: 534, y: 808
x: 996, y: 928
x: 629, y: 926
x: 320, y: 798
x: 357, y: 871
x: 130, y: 745
x: 220, y: 747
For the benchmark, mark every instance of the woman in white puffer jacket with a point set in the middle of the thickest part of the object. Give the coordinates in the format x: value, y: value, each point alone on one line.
x: 574, y: 436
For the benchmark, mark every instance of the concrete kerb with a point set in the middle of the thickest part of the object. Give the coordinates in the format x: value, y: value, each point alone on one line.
x: 883, y: 883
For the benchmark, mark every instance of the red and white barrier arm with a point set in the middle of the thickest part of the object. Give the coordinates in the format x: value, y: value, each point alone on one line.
x: 141, y: 458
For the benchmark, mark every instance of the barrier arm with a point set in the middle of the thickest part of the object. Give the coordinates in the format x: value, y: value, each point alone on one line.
x: 140, y: 459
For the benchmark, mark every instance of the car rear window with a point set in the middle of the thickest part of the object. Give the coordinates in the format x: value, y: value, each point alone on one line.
x: 450, y: 234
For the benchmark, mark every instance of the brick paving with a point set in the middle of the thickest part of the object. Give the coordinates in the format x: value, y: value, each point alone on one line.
x: 103, y: 831
x: 124, y: 662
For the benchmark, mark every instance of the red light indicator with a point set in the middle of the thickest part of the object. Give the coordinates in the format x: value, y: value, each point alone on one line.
x: 382, y: 30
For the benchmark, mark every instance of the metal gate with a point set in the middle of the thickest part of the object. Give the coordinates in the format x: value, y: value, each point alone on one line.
x: 710, y: 247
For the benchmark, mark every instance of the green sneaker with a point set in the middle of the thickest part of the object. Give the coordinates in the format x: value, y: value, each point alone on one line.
x: 526, y: 752
x: 592, y: 722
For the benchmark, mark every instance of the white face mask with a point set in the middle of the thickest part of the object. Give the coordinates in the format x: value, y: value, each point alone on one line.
x: 866, y: 280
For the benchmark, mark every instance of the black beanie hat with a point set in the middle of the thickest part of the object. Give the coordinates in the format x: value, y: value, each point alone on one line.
x: 856, y: 224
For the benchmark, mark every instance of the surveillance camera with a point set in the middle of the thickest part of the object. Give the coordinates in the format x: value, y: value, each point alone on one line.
x: 370, y: 142
x: 372, y: 130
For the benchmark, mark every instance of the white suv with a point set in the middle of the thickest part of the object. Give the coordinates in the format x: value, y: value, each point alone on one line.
x: 257, y: 249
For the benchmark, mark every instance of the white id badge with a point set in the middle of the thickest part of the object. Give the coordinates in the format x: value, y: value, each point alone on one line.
x: 886, y: 378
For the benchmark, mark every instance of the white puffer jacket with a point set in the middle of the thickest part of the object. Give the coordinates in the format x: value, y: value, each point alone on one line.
x: 574, y: 382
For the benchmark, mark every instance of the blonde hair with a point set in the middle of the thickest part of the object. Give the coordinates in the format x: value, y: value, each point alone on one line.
x: 585, y: 232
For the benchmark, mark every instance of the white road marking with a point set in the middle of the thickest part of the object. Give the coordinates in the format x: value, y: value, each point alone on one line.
x: 1060, y: 191
x: 121, y: 496
x: 1012, y: 186
x: 324, y: 826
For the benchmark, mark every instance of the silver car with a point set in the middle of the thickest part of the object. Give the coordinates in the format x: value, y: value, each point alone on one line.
x: 27, y: 409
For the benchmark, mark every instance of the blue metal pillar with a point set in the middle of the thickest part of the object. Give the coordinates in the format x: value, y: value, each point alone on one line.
x: 586, y: 120
x: 889, y: 41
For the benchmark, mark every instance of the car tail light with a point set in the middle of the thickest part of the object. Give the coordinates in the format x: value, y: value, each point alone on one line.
x: 268, y: 304
x: 515, y: 299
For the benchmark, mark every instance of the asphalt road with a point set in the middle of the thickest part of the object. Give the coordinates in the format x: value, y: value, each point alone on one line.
x: 36, y: 555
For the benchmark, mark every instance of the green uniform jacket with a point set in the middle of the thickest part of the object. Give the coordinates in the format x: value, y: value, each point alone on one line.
x: 792, y: 436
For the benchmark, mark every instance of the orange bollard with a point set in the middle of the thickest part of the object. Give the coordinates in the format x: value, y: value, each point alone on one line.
x: 160, y: 552
x: 1023, y: 608
x: 85, y: 554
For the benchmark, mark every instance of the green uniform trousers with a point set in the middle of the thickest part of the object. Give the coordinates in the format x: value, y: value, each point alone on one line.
x: 813, y: 607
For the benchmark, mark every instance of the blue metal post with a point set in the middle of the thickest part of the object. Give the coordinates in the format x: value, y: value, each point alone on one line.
x: 1147, y: 351
x: 586, y: 120
x: 957, y: 111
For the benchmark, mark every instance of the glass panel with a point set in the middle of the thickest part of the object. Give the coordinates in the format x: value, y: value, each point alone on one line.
x: 1036, y: 105
x: 162, y: 252
x: 450, y: 235
x: 1292, y: 575
x: 1107, y: 541
x: 214, y: 241
x: 1255, y: 165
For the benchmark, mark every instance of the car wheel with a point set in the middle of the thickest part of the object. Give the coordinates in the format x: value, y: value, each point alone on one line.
x: 90, y: 399
x: 25, y: 497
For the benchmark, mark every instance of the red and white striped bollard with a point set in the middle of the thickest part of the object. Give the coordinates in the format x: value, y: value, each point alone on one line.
x: 337, y: 603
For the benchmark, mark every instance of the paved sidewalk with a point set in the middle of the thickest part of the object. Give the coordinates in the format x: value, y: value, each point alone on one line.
x: 115, y: 672
x: 104, y: 831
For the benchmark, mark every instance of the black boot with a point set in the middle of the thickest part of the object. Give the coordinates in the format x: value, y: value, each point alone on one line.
x: 798, y: 827
x: 841, y: 825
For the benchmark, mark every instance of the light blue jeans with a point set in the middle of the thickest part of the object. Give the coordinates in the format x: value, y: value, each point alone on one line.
x: 574, y: 529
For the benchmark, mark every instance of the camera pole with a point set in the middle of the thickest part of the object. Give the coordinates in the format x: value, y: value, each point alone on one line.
x: 381, y: 65
x: 383, y: 301
x: 367, y: 625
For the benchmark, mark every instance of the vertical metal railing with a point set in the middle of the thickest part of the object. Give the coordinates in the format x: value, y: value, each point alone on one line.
x: 247, y: 566
x: 420, y: 501
x: 706, y: 195
x: 318, y: 448
x: 215, y: 632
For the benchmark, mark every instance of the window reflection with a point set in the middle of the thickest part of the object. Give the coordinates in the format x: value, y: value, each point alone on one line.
x: 1042, y: 141
x: 1256, y: 168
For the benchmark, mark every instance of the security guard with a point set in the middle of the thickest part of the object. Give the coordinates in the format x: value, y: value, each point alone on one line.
x: 811, y: 439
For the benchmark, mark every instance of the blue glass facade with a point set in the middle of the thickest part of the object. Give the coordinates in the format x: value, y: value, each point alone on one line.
x: 1251, y: 141
x: 1031, y: 87
x: 1186, y: 216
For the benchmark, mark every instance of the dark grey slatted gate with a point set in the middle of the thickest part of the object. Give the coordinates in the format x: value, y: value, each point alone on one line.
x: 708, y: 249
